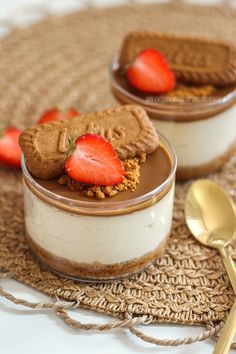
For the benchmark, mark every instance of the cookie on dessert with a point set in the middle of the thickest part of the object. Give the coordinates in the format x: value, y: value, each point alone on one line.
x: 96, y: 154
x: 195, y: 61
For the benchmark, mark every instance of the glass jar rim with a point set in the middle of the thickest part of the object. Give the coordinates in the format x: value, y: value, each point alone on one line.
x: 164, y: 107
x: 107, y: 207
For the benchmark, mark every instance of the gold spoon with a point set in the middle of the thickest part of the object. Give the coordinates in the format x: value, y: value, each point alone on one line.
x: 211, y: 217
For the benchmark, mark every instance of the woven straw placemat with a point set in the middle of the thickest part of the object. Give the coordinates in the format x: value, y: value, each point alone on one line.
x: 64, y: 61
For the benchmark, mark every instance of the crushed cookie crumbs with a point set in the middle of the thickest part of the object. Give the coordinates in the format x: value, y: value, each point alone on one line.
x: 130, y: 182
x: 182, y: 91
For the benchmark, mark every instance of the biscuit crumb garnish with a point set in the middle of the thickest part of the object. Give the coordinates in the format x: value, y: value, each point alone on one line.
x: 183, y: 91
x: 130, y: 181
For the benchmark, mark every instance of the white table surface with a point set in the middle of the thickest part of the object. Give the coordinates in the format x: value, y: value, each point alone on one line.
x: 24, y: 331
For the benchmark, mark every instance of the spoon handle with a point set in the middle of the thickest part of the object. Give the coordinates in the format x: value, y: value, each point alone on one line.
x: 230, y: 267
x: 227, y: 334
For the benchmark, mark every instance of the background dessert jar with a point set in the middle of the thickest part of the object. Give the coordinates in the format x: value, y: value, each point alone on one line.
x: 192, y: 94
x: 102, y: 239
x: 201, y: 127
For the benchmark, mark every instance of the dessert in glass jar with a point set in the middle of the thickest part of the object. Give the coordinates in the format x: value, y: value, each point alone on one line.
x: 104, y: 230
x: 195, y: 105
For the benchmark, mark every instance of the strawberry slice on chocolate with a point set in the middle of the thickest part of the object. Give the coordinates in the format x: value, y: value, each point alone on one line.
x: 94, y: 161
x: 150, y: 73
x: 10, y: 151
x: 56, y: 114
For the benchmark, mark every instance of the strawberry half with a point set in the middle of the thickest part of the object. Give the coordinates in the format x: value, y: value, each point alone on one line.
x: 10, y: 152
x: 151, y: 73
x: 93, y: 161
x: 56, y: 114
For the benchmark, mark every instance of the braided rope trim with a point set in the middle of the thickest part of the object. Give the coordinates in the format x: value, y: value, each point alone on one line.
x: 128, y: 322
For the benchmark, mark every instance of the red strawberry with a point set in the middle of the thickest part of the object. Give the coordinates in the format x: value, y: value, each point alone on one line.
x: 10, y: 152
x: 56, y: 114
x: 94, y: 161
x: 151, y: 73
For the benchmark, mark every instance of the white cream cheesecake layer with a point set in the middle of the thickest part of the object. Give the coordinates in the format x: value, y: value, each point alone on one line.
x: 200, y: 142
x: 104, y: 239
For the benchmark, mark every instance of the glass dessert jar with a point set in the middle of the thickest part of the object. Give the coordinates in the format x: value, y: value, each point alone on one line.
x: 201, y: 129
x: 97, y: 240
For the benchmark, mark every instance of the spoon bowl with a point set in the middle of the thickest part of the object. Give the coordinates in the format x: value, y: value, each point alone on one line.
x: 210, y: 214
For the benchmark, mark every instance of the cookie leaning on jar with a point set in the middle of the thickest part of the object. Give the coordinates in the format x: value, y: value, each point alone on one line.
x: 188, y: 88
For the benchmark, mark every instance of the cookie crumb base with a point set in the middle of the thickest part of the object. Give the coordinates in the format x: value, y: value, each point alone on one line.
x: 96, y: 271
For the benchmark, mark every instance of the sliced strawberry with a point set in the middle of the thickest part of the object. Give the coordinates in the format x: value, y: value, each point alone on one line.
x: 10, y: 152
x: 56, y: 114
x: 94, y: 161
x: 150, y: 73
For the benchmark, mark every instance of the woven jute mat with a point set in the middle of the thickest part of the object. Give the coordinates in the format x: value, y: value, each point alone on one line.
x: 64, y: 61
